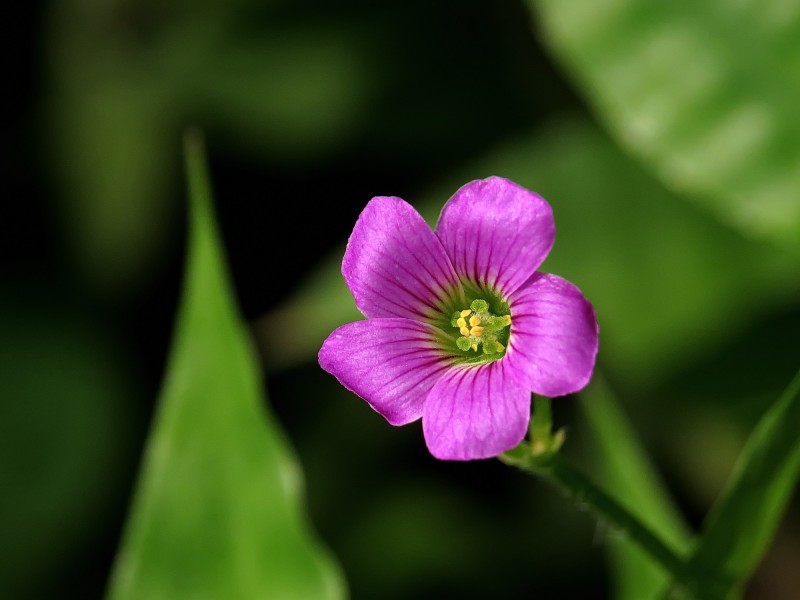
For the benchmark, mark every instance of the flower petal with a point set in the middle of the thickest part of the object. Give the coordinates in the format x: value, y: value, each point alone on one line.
x: 553, y: 340
x: 496, y: 233
x: 390, y: 363
x: 395, y: 266
x: 475, y: 412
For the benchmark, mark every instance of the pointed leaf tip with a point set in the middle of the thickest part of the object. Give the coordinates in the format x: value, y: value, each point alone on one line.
x: 217, y: 511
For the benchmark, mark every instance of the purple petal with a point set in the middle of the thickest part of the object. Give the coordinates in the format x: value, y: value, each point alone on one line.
x: 390, y: 363
x: 553, y: 340
x: 496, y: 233
x: 475, y: 412
x: 395, y: 265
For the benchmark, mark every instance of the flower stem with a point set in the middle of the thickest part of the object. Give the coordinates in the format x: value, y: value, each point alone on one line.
x: 587, y: 495
x: 542, y: 419
x: 540, y: 457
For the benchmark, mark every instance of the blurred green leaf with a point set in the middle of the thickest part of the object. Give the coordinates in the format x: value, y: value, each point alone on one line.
x: 303, y: 322
x: 293, y: 94
x: 111, y: 146
x: 125, y: 79
x: 217, y: 512
x: 627, y: 472
x: 668, y: 282
x: 745, y: 517
x: 706, y: 93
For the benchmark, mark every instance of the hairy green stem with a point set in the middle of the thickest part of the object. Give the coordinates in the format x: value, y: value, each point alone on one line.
x: 540, y: 458
x: 587, y: 495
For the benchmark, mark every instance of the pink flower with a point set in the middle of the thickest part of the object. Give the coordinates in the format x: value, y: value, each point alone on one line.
x: 461, y: 327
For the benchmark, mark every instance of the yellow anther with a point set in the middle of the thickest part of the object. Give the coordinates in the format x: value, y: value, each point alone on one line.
x: 478, y: 326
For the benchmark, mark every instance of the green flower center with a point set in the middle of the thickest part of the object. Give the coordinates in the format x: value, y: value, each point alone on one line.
x: 480, y: 328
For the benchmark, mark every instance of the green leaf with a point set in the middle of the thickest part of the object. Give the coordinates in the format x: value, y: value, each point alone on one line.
x: 627, y: 471
x: 743, y: 521
x: 217, y: 512
x: 705, y: 92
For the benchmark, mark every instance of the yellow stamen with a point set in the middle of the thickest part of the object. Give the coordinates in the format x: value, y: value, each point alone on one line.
x: 478, y: 326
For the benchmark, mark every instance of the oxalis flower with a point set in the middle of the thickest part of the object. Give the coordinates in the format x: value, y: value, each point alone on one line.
x: 461, y: 327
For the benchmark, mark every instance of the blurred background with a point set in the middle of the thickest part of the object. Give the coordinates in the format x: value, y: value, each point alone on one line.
x: 674, y: 186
